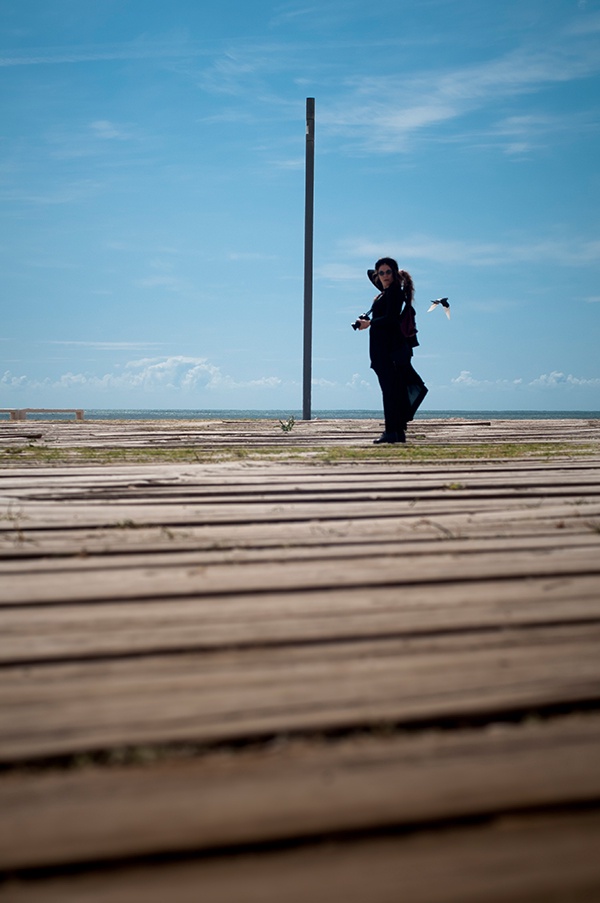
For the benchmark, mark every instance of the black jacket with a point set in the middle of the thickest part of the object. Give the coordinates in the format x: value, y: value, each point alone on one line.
x: 393, y: 332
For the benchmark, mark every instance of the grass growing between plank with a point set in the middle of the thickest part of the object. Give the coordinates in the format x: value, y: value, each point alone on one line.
x: 448, y: 452
x: 33, y: 455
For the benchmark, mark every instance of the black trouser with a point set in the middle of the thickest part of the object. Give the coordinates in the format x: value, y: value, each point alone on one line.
x: 403, y: 390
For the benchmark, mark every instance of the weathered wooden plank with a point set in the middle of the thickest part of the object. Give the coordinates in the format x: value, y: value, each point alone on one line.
x: 80, y: 583
x: 29, y: 542
x: 525, y: 518
x: 254, y: 474
x: 516, y: 860
x: 191, y: 512
x: 31, y: 634
x: 222, y: 522
x: 201, y: 504
x: 311, y: 481
x: 41, y: 562
x: 227, y: 476
x: 24, y: 538
x: 296, y: 791
x: 291, y: 506
x: 156, y: 481
x: 61, y: 709
x: 224, y: 476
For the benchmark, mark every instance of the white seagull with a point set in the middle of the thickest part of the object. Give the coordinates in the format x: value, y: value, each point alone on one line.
x: 444, y: 303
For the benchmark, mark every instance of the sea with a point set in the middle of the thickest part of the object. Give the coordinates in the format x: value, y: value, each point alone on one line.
x: 234, y: 414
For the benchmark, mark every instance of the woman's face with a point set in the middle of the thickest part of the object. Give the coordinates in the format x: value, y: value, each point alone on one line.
x: 386, y: 275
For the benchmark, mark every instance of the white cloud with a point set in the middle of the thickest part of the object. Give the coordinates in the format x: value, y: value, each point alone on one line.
x: 323, y: 383
x: 13, y: 382
x: 556, y: 379
x: 357, y: 382
x: 465, y: 378
x: 553, y: 380
x: 147, y: 375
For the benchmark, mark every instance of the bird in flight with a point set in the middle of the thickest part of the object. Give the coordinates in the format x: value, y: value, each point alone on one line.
x: 443, y: 302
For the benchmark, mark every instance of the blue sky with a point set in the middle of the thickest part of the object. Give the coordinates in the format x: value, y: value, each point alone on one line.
x: 152, y: 186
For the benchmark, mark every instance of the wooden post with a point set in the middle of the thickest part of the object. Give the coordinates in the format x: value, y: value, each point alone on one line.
x: 308, y: 256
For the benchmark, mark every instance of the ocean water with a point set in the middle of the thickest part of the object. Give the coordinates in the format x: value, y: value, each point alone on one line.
x: 191, y: 414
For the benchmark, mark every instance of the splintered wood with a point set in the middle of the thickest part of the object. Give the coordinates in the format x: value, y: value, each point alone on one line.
x: 286, y: 679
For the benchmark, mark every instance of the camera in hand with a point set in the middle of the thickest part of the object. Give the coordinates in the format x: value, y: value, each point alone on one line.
x: 356, y: 324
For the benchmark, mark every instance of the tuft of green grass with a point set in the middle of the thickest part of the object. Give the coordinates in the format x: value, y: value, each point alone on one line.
x: 287, y: 425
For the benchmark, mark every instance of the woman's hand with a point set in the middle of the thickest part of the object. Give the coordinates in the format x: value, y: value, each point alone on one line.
x: 363, y: 324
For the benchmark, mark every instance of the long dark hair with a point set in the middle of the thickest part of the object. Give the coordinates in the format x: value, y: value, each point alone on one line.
x: 401, y: 276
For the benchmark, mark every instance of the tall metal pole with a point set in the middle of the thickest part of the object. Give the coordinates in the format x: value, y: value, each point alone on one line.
x: 308, y: 256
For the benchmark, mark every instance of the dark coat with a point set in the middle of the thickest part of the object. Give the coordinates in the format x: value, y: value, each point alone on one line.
x: 393, y: 332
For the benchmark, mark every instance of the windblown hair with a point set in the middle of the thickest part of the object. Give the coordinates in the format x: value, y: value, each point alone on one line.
x: 401, y: 276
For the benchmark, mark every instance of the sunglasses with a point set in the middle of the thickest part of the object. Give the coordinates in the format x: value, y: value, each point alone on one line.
x: 384, y: 272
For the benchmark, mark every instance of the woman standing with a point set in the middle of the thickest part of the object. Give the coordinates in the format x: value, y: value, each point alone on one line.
x: 391, y: 341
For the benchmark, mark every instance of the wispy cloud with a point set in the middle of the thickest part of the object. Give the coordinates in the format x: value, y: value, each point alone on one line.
x: 340, y: 272
x: 103, y: 128
x: 109, y: 346
x: 588, y: 25
x: 100, y: 138
x: 292, y: 12
x: 166, y: 282
x: 250, y: 256
x: 521, y: 134
x: 568, y: 251
x: 235, y: 68
x: 317, y: 16
x: 144, y: 47
x: 66, y: 193
x: 400, y: 107
x: 293, y: 163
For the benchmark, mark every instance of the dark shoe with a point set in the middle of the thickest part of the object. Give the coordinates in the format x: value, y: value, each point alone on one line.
x: 390, y: 438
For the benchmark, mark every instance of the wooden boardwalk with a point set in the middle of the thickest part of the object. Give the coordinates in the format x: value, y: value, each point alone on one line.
x: 271, y: 672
